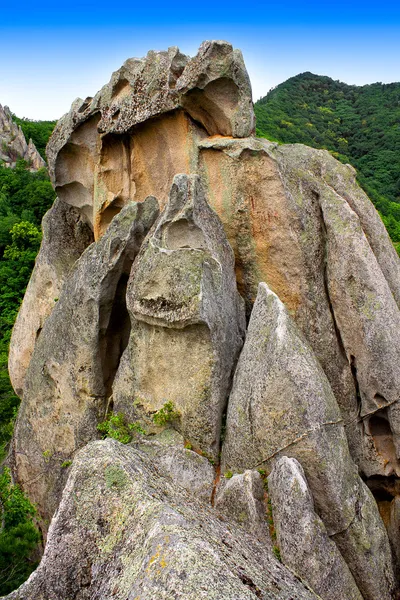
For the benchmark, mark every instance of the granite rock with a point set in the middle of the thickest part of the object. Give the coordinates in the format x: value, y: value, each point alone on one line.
x: 69, y: 378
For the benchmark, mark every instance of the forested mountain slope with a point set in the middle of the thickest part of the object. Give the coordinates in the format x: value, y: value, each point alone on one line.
x: 360, y: 125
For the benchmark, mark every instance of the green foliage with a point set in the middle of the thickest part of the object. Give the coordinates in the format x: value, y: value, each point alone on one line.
x: 38, y: 131
x: 66, y: 464
x: 359, y: 125
x: 47, y: 455
x: 228, y: 475
x: 25, y: 238
x: 277, y: 553
x: 166, y: 414
x: 118, y: 428
x: 18, y: 537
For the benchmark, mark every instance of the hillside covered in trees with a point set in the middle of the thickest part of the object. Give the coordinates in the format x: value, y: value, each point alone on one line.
x: 359, y: 125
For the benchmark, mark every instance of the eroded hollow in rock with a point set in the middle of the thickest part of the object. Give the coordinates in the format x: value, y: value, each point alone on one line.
x: 183, y: 234
x: 121, y: 89
x: 113, y: 185
x: 114, y: 339
x: 213, y: 106
x: 75, y: 165
x: 384, y: 490
x: 378, y: 427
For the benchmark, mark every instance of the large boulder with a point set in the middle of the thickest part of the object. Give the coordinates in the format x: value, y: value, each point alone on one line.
x: 187, y: 320
x: 103, y: 152
x: 124, y: 529
x: 304, y: 544
x: 281, y: 404
x: 65, y: 237
x: 70, y: 375
x: 242, y: 497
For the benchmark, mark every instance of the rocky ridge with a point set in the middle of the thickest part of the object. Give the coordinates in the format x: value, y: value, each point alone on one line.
x: 13, y: 145
x: 198, y: 225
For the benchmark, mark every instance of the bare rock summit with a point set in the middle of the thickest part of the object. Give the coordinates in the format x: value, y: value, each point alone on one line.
x: 175, y: 227
x: 13, y: 145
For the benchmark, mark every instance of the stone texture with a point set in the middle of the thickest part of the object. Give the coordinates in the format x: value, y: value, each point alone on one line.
x: 183, y: 302
x: 241, y: 497
x: 282, y: 404
x: 13, y: 145
x: 186, y: 468
x: 367, y: 317
x: 69, y: 378
x: 304, y: 544
x: 123, y: 530
x: 65, y: 237
x: 273, y: 222
x: 189, y: 98
x: 215, y: 90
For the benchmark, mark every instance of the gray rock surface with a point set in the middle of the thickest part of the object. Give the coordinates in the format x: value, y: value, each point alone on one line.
x: 124, y: 531
x: 366, y: 313
x: 282, y: 404
x: 186, y: 468
x: 69, y: 378
x: 241, y: 497
x: 13, y: 145
x: 65, y: 237
x: 264, y: 195
x: 304, y: 544
x: 187, y: 320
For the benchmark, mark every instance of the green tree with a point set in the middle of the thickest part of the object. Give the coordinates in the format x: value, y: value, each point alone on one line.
x: 18, y: 537
x: 359, y: 125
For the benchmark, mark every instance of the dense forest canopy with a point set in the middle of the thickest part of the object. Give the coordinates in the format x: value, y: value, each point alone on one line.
x: 359, y: 125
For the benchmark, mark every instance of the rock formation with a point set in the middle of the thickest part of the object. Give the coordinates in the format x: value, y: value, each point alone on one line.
x: 69, y: 378
x: 183, y: 302
x: 65, y: 237
x: 304, y: 543
x: 124, y: 529
x: 281, y: 403
x: 147, y: 322
x: 13, y: 145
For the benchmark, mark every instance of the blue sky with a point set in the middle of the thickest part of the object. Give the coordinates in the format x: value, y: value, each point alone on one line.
x: 52, y: 52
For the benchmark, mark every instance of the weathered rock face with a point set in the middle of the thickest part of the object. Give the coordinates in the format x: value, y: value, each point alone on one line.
x: 320, y: 361
x: 241, y: 498
x: 126, y: 530
x: 65, y: 237
x: 104, y: 151
x: 75, y: 358
x: 183, y: 301
x: 13, y: 145
x: 304, y: 544
x: 187, y: 469
x: 282, y: 404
